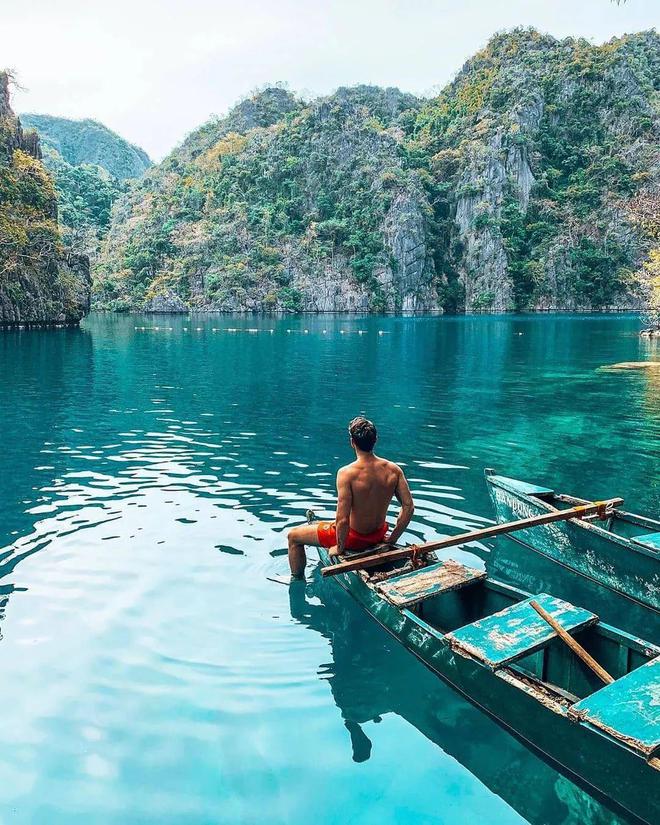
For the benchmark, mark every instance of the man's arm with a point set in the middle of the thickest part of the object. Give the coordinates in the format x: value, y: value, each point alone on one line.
x: 344, y: 504
x: 405, y: 498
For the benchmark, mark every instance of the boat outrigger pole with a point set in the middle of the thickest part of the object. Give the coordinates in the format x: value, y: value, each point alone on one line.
x: 599, y: 509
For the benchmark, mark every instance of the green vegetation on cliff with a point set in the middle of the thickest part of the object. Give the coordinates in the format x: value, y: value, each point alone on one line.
x: 511, y: 189
x: 292, y: 205
x: 89, y: 142
x: 90, y: 165
x: 40, y: 282
x: 537, y: 147
x: 85, y: 194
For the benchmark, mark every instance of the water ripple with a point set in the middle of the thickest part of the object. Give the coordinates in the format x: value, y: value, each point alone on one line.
x: 150, y: 666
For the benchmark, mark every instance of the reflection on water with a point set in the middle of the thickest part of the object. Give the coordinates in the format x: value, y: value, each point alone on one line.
x: 150, y: 469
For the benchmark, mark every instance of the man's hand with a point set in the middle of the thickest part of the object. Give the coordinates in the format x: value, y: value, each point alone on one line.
x: 333, y: 551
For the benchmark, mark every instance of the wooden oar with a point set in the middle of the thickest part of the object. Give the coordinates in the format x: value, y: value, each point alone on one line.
x: 598, y: 508
x: 577, y: 648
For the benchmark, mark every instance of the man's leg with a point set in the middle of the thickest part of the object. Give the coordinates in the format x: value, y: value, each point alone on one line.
x: 298, y: 538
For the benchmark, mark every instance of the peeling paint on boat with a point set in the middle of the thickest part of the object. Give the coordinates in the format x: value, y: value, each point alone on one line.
x: 614, y: 561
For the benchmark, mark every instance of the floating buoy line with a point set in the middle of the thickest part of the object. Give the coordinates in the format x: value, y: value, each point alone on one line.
x: 256, y: 331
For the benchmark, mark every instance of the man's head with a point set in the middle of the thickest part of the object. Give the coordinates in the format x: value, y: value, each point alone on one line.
x: 363, y: 434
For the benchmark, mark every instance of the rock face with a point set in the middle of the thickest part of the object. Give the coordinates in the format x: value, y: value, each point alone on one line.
x: 279, y: 206
x: 40, y: 282
x: 165, y: 302
x: 510, y: 190
x: 536, y: 149
x: 490, y: 170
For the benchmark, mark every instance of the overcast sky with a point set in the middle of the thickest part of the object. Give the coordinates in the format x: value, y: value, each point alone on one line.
x: 154, y: 69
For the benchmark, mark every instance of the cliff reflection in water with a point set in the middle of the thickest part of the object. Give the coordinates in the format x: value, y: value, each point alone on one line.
x: 371, y: 675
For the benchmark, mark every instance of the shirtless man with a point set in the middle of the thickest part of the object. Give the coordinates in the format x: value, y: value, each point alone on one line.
x: 365, y: 489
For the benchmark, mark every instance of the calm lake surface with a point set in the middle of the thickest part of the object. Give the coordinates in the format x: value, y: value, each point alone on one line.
x: 150, y: 469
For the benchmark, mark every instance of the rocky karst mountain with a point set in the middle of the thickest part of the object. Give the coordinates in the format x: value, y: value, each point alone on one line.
x: 41, y: 282
x: 89, y: 142
x: 280, y: 204
x: 536, y: 151
x: 509, y: 190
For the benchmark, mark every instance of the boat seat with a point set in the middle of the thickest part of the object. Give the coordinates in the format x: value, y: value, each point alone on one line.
x: 517, y: 630
x: 417, y: 585
x: 628, y: 709
x: 651, y: 541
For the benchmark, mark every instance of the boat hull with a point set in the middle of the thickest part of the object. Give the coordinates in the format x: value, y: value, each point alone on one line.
x: 618, y: 774
x: 612, y: 561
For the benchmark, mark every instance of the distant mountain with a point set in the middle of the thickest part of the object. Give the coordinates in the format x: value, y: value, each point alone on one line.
x: 512, y: 189
x: 280, y: 204
x: 41, y: 282
x: 91, y: 166
x: 87, y: 141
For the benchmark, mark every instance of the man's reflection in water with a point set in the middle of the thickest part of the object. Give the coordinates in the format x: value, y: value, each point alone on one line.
x: 360, y: 742
x: 371, y: 674
x: 359, y: 690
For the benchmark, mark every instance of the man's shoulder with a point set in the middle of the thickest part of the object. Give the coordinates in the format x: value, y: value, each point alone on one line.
x: 391, y: 465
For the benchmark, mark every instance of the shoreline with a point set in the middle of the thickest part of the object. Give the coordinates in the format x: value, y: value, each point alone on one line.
x: 201, y: 313
x: 283, y: 313
x: 26, y: 325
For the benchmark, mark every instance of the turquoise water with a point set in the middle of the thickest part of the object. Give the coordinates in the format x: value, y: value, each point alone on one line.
x: 151, y: 467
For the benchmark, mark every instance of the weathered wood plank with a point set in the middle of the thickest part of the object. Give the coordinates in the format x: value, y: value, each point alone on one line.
x: 628, y: 709
x: 517, y: 630
x: 418, y: 585
x: 650, y: 541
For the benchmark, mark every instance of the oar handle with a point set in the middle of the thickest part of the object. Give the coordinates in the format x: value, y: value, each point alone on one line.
x: 576, y: 647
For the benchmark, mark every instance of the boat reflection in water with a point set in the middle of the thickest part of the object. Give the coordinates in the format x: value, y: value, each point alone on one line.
x: 371, y: 675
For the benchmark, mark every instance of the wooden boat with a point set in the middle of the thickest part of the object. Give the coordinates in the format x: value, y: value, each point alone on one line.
x: 622, y: 554
x: 521, y: 567
x: 370, y: 678
x: 485, y: 639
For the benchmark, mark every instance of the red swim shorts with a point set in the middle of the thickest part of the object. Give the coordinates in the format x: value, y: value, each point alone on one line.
x: 327, y: 535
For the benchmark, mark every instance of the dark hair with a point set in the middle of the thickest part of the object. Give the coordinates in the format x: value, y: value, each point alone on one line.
x: 363, y: 432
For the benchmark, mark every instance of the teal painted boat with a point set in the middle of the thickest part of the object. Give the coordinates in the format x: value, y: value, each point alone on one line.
x: 520, y: 567
x: 621, y: 554
x: 485, y: 639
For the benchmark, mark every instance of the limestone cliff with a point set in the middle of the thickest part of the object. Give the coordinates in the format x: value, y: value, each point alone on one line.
x: 511, y: 189
x: 536, y: 150
x: 280, y: 205
x: 40, y: 281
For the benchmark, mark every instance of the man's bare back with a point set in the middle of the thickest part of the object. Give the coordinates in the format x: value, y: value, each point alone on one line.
x: 365, y: 490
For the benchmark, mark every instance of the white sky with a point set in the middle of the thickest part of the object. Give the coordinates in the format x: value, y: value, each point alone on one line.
x: 153, y: 70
